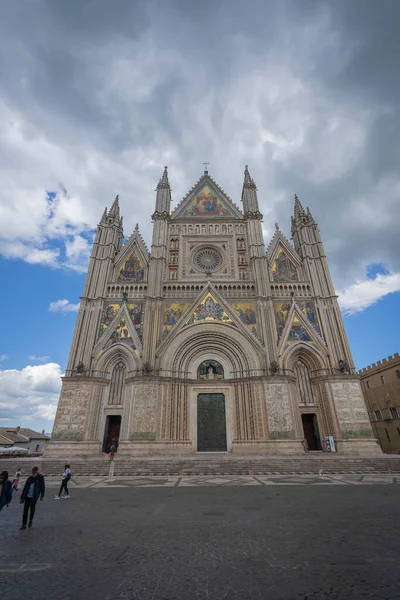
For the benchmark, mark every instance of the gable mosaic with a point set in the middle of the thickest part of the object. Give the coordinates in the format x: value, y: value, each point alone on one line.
x: 307, y: 307
x: 209, y: 310
x: 282, y: 268
x: 133, y: 268
x: 206, y: 203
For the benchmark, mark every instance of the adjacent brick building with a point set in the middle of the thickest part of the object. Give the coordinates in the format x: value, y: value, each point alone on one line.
x: 381, y: 387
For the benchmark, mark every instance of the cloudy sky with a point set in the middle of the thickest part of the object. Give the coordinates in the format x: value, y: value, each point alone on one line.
x: 97, y: 96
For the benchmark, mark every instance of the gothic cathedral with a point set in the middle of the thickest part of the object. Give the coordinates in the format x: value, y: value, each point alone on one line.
x: 210, y: 342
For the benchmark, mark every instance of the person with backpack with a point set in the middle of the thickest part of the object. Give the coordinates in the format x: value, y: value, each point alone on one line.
x: 5, y: 490
x: 34, y: 489
x: 66, y: 476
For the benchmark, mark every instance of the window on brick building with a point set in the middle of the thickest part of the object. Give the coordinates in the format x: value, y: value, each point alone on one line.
x: 378, y: 415
x: 368, y: 384
x: 382, y: 379
x: 393, y: 412
x: 387, y: 434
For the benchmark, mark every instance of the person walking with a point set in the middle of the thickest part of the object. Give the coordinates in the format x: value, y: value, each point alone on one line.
x: 66, y: 476
x: 5, y: 490
x: 34, y: 489
x: 113, y: 449
x: 15, y: 483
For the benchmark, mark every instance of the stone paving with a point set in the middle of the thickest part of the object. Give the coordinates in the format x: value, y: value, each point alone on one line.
x: 239, y: 538
x: 225, y: 480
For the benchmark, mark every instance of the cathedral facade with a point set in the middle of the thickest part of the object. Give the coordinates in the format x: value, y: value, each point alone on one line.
x: 210, y: 342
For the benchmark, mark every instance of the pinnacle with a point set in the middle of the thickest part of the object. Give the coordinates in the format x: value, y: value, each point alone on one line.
x: 104, y: 217
x: 298, y: 209
x: 248, y: 180
x: 114, y: 210
x: 164, y: 179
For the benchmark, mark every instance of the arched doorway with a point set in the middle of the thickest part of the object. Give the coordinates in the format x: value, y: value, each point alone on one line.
x: 115, y: 399
x: 308, y: 407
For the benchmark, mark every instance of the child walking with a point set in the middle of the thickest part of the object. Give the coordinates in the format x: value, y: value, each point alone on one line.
x: 66, y: 476
x: 15, y: 483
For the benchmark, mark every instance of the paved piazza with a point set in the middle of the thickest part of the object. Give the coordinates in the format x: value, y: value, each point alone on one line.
x: 275, y: 537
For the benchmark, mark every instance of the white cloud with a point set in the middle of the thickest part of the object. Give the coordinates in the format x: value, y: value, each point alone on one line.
x: 38, y: 358
x: 3, y: 356
x: 30, y: 395
x: 360, y: 295
x: 63, y: 306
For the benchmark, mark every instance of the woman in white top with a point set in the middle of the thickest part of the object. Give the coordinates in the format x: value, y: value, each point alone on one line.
x: 66, y: 476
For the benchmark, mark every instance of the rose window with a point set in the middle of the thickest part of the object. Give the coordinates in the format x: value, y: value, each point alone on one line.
x: 207, y: 259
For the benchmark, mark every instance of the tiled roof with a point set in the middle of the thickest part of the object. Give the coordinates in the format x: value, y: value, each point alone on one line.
x: 23, y: 435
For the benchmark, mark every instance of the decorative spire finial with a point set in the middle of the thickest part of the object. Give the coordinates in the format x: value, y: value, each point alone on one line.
x: 276, y: 226
x: 114, y: 210
x: 298, y: 209
x: 137, y: 227
x: 164, y: 183
x: 205, y: 163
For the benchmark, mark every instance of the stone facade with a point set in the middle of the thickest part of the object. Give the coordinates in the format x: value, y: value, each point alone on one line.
x: 209, y: 311
x: 380, y: 384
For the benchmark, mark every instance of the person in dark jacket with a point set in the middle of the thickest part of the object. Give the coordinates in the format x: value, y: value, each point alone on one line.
x: 5, y: 490
x: 33, y: 490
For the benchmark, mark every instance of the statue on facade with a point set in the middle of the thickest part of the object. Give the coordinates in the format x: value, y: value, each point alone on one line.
x: 344, y: 366
x: 274, y: 367
x: 146, y: 368
x: 124, y: 296
x: 80, y: 368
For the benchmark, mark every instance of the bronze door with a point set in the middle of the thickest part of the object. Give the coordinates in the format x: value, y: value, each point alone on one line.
x: 211, y: 423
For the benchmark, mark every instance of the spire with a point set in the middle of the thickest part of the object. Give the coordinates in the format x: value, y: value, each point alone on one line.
x: 163, y: 199
x: 310, y: 218
x: 104, y: 217
x: 164, y: 183
x: 298, y: 209
x: 114, y: 210
x: 249, y: 194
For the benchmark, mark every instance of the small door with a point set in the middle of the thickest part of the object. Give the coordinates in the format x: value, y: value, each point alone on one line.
x: 211, y: 423
x: 111, y: 432
x: 311, y: 432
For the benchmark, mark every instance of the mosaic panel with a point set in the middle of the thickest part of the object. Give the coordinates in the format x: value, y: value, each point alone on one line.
x: 282, y: 268
x: 133, y: 268
x: 121, y: 334
x: 209, y: 310
x: 247, y: 314
x: 172, y: 314
x: 307, y: 307
x: 207, y: 204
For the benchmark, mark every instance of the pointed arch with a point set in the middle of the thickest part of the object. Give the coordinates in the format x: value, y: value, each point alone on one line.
x: 117, y: 382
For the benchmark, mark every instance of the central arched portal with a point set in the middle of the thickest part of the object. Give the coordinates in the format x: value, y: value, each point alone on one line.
x: 211, y: 423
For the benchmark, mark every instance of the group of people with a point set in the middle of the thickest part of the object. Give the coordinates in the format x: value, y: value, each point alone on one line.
x: 32, y: 491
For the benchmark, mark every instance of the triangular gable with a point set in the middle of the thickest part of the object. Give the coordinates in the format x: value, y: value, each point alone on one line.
x: 206, y: 200
x: 299, y: 329
x: 209, y: 310
x: 120, y: 330
x: 284, y: 263
x: 209, y: 307
x: 132, y: 262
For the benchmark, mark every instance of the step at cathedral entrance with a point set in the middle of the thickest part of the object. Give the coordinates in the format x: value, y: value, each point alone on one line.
x: 211, y: 423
